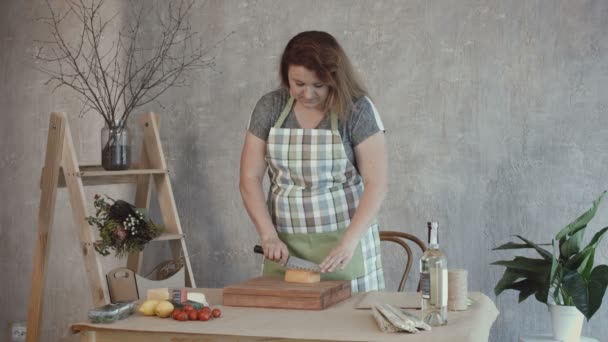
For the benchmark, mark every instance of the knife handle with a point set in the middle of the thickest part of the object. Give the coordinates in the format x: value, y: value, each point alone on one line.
x: 258, y: 249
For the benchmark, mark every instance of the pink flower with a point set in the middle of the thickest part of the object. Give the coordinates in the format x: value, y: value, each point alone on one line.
x: 120, y: 233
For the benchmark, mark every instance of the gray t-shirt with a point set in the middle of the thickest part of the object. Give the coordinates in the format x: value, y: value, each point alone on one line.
x: 362, y: 122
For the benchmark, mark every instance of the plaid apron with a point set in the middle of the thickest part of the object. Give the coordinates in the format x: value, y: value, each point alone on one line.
x: 314, y: 192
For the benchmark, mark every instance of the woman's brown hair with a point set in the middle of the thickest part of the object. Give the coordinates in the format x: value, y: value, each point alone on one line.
x: 320, y: 52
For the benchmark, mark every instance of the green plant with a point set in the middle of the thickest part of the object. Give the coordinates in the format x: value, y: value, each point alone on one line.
x: 122, y: 227
x: 566, y: 273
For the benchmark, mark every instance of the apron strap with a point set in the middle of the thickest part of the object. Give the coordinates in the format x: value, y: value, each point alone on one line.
x: 334, y: 121
x: 287, y: 109
x: 284, y: 113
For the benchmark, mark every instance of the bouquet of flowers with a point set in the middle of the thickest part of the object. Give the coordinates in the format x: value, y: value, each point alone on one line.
x: 122, y: 227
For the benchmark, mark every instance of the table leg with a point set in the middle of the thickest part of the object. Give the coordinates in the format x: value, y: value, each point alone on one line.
x: 87, y: 336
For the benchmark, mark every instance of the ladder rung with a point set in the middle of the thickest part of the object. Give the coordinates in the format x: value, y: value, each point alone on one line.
x: 96, y: 175
x: 168, y: 236
x: 163, y: 237
x: 98, y: 171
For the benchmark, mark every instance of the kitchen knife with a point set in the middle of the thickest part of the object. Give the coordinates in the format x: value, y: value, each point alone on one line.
x: 294, y: 262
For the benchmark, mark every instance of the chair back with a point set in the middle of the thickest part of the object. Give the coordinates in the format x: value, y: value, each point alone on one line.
x: 402, y: 239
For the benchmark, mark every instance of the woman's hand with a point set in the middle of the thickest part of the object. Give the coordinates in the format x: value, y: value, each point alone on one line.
x: 339, y: 256
x: 275, y: 250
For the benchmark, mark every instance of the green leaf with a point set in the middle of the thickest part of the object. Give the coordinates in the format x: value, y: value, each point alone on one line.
x: 598, y: 280
x: 535, y: 274
x: 570, y: 245
x: 508, y: 278
x: 525, y: 293
x: 597, y: 238
x: 581, y: 221
x: 578, y: 259
x: 528, y: 264
x: 543, y: 293
x: 554, y: 262
x: 543, y: 252
x: 556, y: 295
x: 587, y: 295
x: 526, y: 288
x: 575, y: 287
x: 556, y: 274
x: 511, y: 245
x: 587, y: 265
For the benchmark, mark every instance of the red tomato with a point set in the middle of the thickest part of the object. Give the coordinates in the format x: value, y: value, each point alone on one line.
x: 175, y: 313
x: 182, y: 316
x: 206, y: 309
x: 192, y: 315
x: 188, y: 307
x: 216, y: 312
x: 204, y: 315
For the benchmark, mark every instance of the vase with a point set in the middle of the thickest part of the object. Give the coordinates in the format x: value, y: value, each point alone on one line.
x: 567, y: 322
x: 115, y: 146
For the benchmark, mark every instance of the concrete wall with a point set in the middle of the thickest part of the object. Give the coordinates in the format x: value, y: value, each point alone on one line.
x: 497, y: 125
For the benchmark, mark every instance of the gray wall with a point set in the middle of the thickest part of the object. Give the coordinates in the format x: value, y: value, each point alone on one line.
x: 496, y: 116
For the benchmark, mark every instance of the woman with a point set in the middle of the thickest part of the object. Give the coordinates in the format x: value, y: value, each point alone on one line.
x: 323, y: 142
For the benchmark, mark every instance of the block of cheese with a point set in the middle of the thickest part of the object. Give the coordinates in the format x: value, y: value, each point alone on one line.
x: 158, y: 294
x: 197, y: 297
x: 302, y: 276
x: 176, y: 294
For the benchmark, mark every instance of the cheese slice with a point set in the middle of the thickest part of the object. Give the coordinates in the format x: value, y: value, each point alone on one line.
x: 302, y: 276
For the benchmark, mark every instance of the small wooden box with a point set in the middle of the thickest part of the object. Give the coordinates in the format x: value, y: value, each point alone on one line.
x: 276, y: 293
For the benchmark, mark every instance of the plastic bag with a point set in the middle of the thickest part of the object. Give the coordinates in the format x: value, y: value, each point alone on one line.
x: 112, y: 312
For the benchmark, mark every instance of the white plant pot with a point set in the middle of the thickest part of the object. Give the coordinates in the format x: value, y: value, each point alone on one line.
x: 567, y: 322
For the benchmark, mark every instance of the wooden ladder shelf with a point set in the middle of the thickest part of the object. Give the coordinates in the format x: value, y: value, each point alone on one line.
x: 61, y: 169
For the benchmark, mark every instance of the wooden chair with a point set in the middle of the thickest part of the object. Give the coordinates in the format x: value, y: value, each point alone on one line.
x: 402, y: 239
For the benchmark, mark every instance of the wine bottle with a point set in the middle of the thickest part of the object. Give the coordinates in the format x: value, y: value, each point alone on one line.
x: 434, y: 281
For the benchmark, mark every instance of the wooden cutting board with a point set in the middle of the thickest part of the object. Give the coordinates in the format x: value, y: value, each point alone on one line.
x: 276, y: 293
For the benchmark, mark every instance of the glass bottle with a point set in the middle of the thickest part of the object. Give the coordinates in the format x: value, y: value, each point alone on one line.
x: 115, y: 146
x: 434, y: 281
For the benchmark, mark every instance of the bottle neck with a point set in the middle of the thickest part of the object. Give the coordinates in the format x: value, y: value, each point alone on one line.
x: 433, y: 240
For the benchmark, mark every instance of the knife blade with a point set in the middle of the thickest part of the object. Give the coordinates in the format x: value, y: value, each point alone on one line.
x: 294, y: 262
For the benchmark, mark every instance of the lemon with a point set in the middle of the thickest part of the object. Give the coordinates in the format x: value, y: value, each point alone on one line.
x: 147, y: 308
x: 164, y: 309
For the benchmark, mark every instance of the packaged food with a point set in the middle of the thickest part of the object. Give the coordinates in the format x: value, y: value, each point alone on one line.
x: 112, y: 312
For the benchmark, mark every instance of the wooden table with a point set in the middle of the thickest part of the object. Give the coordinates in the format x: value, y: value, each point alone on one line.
x: 341, y: 322
x: 549, y: 338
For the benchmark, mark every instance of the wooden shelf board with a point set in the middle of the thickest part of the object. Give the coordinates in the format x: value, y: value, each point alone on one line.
x: 95, y: 175
x: 169, y: 236
x: 163, y: 237
x: 98, y: 171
